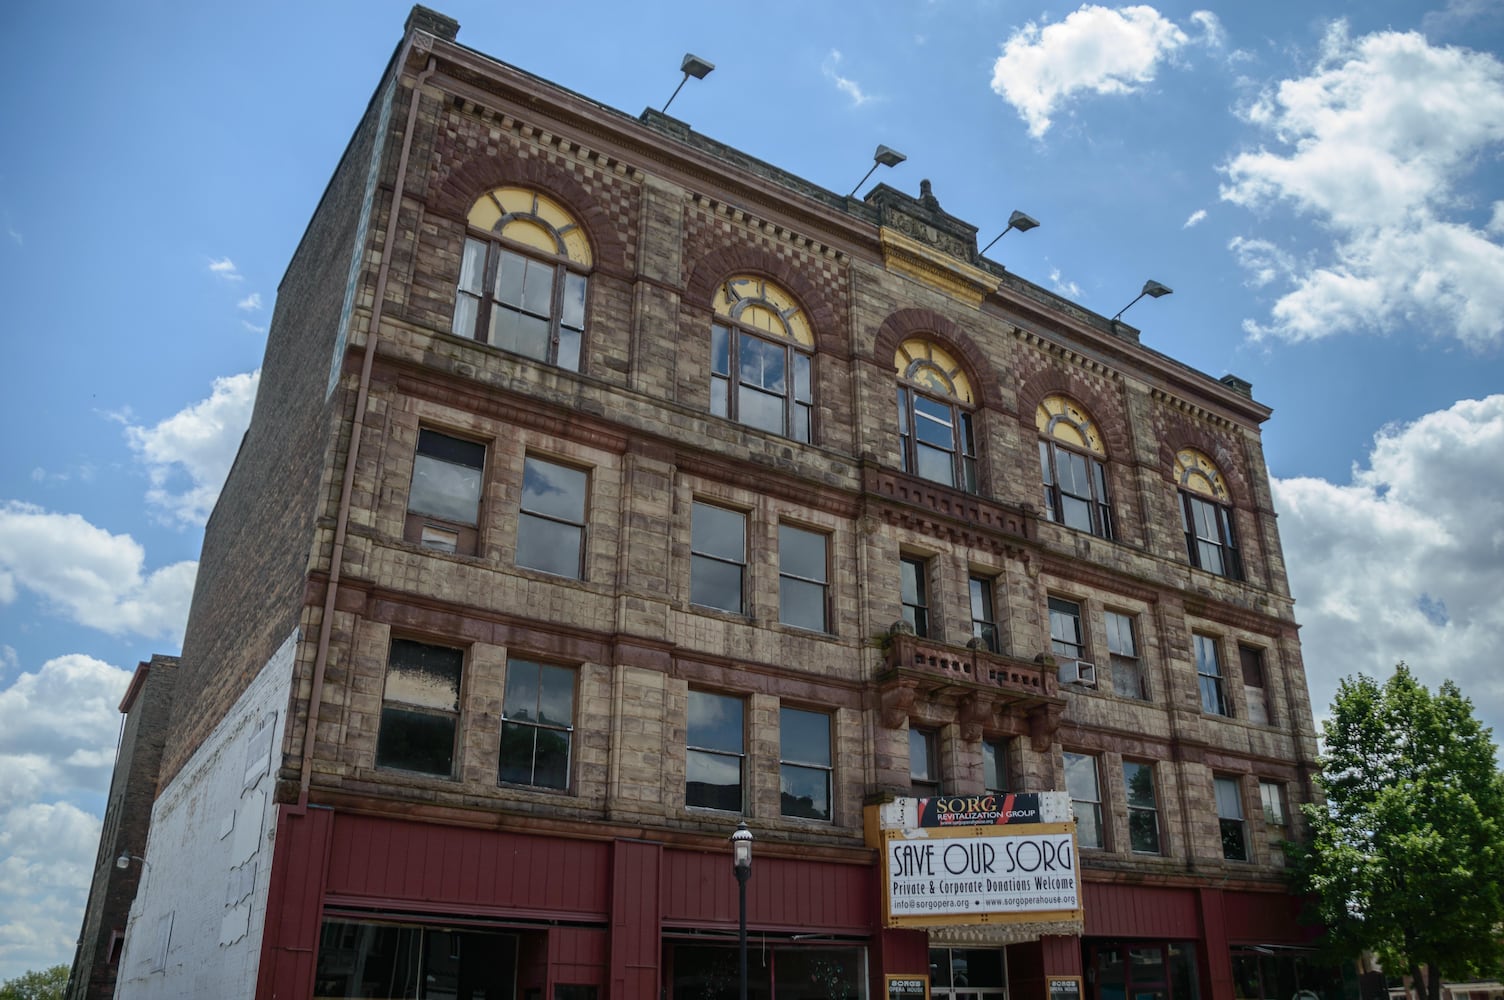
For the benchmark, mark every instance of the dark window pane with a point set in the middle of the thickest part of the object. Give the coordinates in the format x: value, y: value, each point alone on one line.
x: 554, y: 489
x: 556, y: 700
x: 801, y: 553
x: 520, y: 700
x: 720, y: 350
x: 416, y: 741
x: 714, y: 584
x: 801, y: 604
x: 935, y: 423
x: 922, y: 765
x: 804, y: 792
x: 549, y: 546
x: 715, y: 722
x: 518, y: 745
x: 551, y: 769
x: 714, y: 781
x: 716, y: 531
x: 994, y: 766
x: 759, y: 409
x: 804, y: 736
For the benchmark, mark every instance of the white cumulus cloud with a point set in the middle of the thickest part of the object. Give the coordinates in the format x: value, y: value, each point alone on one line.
x: 1406, y: 560
x: 189, y: 454
x: 844, y: 84
x: 1195, y: 218
x: 1372, y: 145
x: 1095, y: 50
x: 90, y: 576
x: 251, y: 303
x: 58, y: 728
x: 225, y: 268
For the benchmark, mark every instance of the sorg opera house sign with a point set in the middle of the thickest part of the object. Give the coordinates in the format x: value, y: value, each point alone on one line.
x: 979, y: 860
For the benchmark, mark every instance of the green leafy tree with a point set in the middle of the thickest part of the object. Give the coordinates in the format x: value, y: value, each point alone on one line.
x: 48, y: 984
x: 1407, y: 858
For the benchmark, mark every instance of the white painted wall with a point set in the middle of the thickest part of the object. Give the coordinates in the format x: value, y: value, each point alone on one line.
x: 195, y: 926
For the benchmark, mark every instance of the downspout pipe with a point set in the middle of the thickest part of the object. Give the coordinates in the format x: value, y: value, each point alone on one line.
x: 357, y: 427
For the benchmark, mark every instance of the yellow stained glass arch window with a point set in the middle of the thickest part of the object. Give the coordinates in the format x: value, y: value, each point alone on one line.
x: 937, y: 439
x: 522, y: 284
x: 1071, y: 464
x: 1206, y: 515
x: 761, y: 357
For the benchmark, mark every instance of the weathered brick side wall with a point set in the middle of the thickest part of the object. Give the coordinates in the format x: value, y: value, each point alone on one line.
x: 251, y: 575
x: 127, y: 816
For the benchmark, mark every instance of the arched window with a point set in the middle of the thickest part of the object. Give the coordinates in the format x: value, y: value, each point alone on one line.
x: 1206, y: 515
x: 522, y: 284
x: 934, y: 415
x: 1070, y: 461
x: 761, y: 356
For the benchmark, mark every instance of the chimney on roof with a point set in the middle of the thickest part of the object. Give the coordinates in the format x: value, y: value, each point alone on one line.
x: 432, y: 22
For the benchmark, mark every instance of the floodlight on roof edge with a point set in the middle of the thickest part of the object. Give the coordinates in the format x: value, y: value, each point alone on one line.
x: 1153, y: 289
x: 692, y: 66
x: 885, y: 156
x: 1018, y: 220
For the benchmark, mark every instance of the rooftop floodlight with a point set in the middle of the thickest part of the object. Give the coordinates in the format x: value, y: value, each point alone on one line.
x: 1018, y: 220
x: 693, y: 66
x: 886, y: 156
x: 1153, y: 289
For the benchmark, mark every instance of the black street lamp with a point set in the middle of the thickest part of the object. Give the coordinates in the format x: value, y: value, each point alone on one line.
x: 741, y: 864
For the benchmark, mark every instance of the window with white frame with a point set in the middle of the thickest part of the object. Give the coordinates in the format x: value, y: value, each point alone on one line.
x: 1230, y: 819
x: 1128, y: 678
x: 1067, y: 638
x: 983, y: 614
x: 1209, y: 675
x: 913, y: 582
x: 1085, y: 790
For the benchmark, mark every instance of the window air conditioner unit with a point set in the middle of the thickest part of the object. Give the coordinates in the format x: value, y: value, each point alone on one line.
x: 1078, y: 672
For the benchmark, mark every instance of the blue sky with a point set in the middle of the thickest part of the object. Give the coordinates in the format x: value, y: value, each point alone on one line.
x: 1319, y: 183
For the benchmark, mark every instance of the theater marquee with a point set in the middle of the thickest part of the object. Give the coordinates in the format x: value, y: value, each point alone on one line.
x: 980, y: 874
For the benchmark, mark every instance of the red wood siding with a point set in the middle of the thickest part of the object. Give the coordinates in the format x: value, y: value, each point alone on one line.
x: 426, y: 866
x: 1141, y: 911
x: 577, y: 955
x: 699, y: 890
x: 635, y: 882
x: 294, y: 912
x: 1266, y: 918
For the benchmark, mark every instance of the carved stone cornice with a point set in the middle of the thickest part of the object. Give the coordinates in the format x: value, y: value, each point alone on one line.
x: 907, y: 256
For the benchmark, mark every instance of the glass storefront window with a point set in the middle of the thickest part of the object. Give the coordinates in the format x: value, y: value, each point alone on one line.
x: 1141, y: 970
x: 785, y: 971
x: 396, y: 962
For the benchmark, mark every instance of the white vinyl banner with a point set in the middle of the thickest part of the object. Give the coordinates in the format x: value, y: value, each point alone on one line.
x: 1001, y: 870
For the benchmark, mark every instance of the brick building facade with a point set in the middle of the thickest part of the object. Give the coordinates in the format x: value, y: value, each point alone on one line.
x: 607, y: 487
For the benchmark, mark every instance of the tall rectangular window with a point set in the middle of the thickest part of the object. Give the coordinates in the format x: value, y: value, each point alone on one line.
x: 1067, y: 641
x: 803, y: 574
x: 983, y: 616
x: 420, y: 708
x: 1255, y: 691
x: 1209, y: 673
x: 443, y: 505
x: 714, y: 755
x: 1143, y: 808
x: 914, y: 591
x: 1128, y: 679
x: 995, y: 766
x: 551, y: 523
x: 804, y: 769
x: 924, y: 763
x: 1272, y: 798
x: 1230, y: 818
x: 1086, y: 797
x: 1209, y: 536
x: 537, y: 725
x: 718, y: 560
